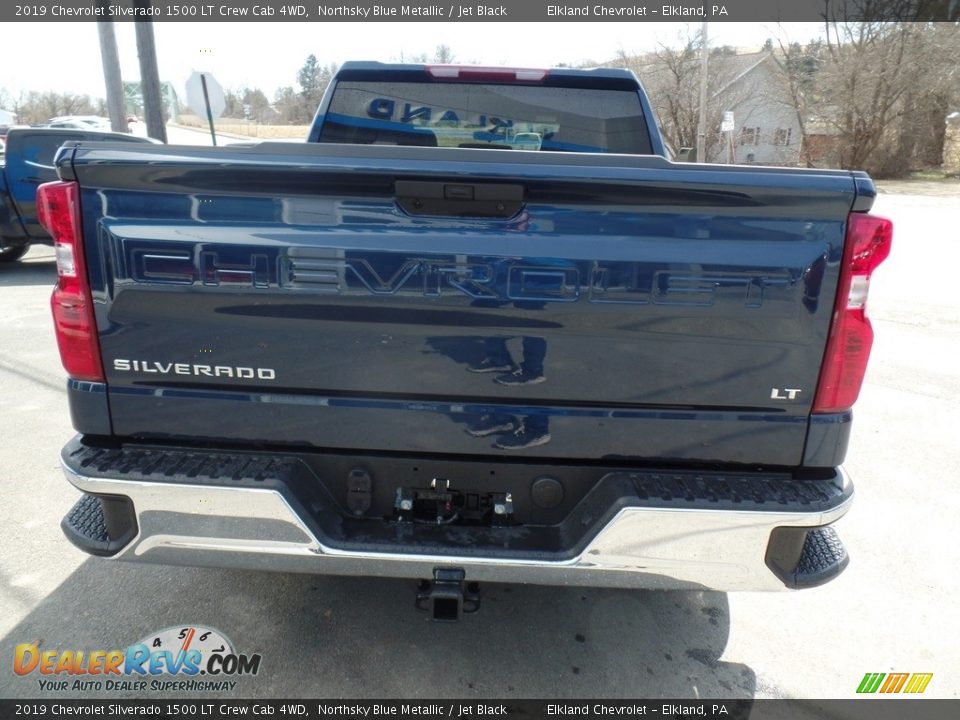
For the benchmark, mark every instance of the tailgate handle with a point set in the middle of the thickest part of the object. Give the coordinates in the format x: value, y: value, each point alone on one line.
x: 494, y: 200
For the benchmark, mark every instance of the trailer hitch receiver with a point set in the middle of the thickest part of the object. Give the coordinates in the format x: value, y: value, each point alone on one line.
x: 447, y: 597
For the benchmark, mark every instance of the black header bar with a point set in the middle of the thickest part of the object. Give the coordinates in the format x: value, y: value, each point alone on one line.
x: 471, y: 11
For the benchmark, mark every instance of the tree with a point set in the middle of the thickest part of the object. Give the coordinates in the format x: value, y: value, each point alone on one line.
x: 255, y: 103
x: 313, y: 79
x: 232, y: 105
x: 868, y: 73
x: 11, y: 102
x: 671, y: 76
x: 443, y: 54
x: 249, y: 104
x: 798, y: 67
x: 309, y: 77
x: 37, y: 107
x: 672, y: 79
x: 288, y: 104
x: 923, y: 130
x: 880, y: 90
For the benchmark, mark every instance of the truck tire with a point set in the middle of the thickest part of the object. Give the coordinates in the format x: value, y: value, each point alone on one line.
x: 13, y: 253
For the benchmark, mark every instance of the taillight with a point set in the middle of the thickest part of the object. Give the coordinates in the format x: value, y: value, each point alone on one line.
x: 58, y: 210
x: 478, y: 73
x: 851, y: 336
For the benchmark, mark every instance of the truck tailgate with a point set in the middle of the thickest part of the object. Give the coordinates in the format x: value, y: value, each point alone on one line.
x: 355, y: 297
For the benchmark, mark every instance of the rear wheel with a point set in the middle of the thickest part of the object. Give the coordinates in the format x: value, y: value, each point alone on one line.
x: 13, y: 253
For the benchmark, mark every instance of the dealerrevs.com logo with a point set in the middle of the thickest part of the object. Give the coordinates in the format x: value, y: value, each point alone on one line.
x: 185, y: 659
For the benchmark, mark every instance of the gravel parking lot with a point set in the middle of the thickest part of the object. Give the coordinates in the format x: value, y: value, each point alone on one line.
x: 895, y: 608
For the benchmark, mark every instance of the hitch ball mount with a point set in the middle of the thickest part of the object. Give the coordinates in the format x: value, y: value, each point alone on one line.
x: 448, y: 597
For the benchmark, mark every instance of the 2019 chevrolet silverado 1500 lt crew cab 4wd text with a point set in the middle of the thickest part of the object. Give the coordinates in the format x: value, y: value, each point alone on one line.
x: 478, y: 328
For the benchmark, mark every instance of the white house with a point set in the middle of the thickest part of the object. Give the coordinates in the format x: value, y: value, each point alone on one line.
x: 749, y: 84
x: 766, y: 128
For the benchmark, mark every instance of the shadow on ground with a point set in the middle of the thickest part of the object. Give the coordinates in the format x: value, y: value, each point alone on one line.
x: 360, y: 637
x: 34, y: 269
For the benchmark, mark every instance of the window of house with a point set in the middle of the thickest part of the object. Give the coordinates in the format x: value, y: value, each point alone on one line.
x: 781, y: 136
x: 750, y: 136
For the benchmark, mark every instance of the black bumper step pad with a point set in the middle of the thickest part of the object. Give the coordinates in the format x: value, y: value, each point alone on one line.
x: 177, y: 464
x: 86, y: 522
x: 823, y: 558
x: 775, y: 492
x: 100, y: 525
x: 804, y: 557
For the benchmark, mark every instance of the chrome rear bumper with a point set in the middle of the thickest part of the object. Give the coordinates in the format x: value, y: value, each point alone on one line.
x: 218, y: 524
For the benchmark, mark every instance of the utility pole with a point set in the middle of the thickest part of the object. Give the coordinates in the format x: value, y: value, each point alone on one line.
x: 150, y: 77
x: 116, y: 103
x: 702, y: 127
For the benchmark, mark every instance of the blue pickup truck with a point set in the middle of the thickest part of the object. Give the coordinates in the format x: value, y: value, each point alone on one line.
x: 26, y: 163
x: 477, y: 328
